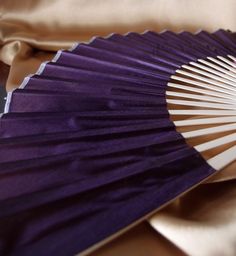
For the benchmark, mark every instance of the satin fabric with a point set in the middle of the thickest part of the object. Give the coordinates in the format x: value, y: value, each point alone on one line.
x: 32, y: 32
x: 203, y: 222
x: 142, y: 240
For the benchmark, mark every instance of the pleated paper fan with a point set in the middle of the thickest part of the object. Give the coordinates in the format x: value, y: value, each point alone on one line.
x: 90, y: 144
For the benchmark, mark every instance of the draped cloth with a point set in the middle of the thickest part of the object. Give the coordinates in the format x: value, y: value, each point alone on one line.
x: 31, y: 32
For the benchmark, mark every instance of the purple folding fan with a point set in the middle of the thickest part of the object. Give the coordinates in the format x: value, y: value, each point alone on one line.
x: 88, y: 148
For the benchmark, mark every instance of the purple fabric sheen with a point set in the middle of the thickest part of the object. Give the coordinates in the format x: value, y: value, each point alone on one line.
x: 117, y: 57
x: 225, y: 38
x: 208, y: 50
x: 209, y: 39
x: 66, y: 228
x: 89, y: 140
x: 161, y: 56
x: 21, y: 124
x: 58, y: 143
x: 75, y: 60
x: 63, y: 209
x: 149, y: 48
x: 197, y: 41
x: 196, y: 54
x: 74, y: 74
x: 40, y: 125
x: 223, y: 47
x: 170, y: 46
x: 106, y: 87
x: 102, y: 44
x: 55, y: 101
x: 167, y: 44
x: 80, y: 62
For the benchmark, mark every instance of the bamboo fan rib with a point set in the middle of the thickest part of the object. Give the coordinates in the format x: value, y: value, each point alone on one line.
x: 107, y: 133
x: 188, y: 94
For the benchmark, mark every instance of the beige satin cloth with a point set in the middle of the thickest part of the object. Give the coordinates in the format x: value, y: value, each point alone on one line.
x: 203, y: 221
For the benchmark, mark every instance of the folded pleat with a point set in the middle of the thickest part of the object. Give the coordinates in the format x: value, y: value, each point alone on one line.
x: 87, y: 147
